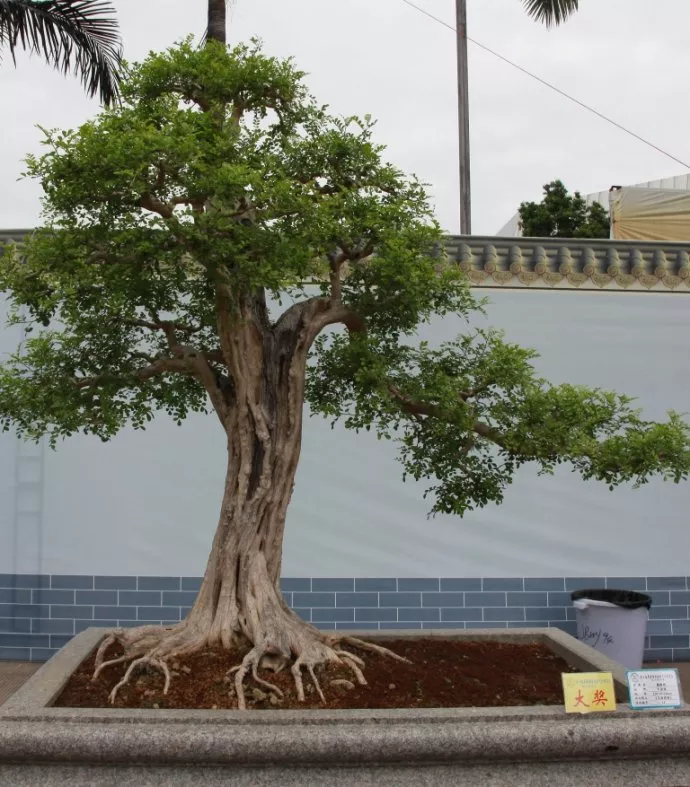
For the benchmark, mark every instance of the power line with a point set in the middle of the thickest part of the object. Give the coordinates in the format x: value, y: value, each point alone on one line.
x: 551, y: 86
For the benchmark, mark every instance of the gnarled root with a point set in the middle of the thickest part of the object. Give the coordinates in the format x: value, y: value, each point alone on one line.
x: 295, y: 640
x: 360, y: 643
x: 142, y: 661
x: 148, y: 646
x: 251, y: 663
x: 311, y: 649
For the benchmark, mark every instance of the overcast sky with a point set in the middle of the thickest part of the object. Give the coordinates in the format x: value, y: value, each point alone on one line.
x: 627, y: 58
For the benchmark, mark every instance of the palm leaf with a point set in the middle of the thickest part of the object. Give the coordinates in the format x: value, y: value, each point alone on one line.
x: 550, y: 12
x: 73, y: 35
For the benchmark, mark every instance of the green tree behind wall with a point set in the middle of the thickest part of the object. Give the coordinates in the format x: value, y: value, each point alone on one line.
x: 563, y: 215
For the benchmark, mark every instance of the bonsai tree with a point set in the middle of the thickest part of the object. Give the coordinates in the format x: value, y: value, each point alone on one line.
x: 79, y: 35
x: 563, y: 215
x: 220, y: 242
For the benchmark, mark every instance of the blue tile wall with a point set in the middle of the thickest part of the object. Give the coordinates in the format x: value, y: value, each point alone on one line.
x: 119, y: 583
x: 342, y: 585
x: 457, y: 585
x: 503, y: 584
x: 374, y: 584
x: 158, y: 583
x: 582, y: 583
x: 71, y: 582
x: 544, y: 583
x: 40, y: 613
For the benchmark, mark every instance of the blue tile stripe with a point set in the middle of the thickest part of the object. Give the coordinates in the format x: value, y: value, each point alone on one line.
x: 39, y: 612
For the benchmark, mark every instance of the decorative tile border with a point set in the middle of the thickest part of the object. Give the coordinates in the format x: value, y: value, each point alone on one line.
x: 39, y: 613
x: 566, y: 263
x: 554, y: 263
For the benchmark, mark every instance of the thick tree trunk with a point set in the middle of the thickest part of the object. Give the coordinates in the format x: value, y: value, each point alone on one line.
x: 239, y: 602
x: 240, y: 593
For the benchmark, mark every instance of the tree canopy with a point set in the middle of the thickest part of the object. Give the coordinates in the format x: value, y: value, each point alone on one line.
x: 563, y: 215
x: 219, y: 184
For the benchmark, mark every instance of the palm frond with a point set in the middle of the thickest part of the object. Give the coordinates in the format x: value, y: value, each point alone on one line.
x: 550, y: 12
x: 73, y: 35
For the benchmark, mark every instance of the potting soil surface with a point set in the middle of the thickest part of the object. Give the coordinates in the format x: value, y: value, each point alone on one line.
x: 442, y: 673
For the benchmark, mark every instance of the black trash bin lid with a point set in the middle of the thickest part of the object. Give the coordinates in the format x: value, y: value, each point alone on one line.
x: 629, y: 599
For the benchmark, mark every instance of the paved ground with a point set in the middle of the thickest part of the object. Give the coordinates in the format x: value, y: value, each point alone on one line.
x: 14, y: 673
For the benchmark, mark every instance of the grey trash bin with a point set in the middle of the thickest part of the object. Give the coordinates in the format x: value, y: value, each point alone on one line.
x: 613, y: 622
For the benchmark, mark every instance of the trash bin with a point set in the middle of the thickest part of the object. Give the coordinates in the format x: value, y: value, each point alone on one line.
x: 613, y: 622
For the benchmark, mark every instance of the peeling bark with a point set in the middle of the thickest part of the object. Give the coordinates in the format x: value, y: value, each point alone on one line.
x: 240, y: 600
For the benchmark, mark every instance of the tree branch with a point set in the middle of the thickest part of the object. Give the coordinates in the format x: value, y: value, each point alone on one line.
x: 196, y: 363
x: 170, y: 336
x: 102, y: 256
x: 410, y: 405
x: 489, y: 433
x: 157, y: 368
x: 470, y: 393
x: 164, y: 325
x: 337, y: 314
x: 336, y: 260
x: 197, y: 203
x: 237, y: 112
x: 149, y: 202
x: 189, y: 361
x: 420, y: 409
x: 200, y: 367
x: 166, y: 209
x: 214, y: 356
x: 196, y: 97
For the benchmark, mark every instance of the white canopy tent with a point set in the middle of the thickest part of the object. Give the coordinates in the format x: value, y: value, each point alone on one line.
x: 650, y: 214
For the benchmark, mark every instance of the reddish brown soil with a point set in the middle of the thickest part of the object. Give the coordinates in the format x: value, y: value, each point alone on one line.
x: 443, y: 673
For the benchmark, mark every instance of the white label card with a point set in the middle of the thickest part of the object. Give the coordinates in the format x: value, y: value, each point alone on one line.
x: 654, y: 688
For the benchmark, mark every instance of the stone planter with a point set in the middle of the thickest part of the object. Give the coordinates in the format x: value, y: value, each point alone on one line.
x: 473, y: 746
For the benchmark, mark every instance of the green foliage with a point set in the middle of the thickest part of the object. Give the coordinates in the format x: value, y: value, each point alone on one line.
x: 471, y: 412
x: 110, y: 262
x: 563, y: 215
x: 219, y: 182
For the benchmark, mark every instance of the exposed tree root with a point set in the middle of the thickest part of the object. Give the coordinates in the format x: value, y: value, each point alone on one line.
x: 150, y: 646
x: 360, y: 643
x: 142, y: 661
x: 251, y: 663
x: 155, y: 646
x: 355, y: 664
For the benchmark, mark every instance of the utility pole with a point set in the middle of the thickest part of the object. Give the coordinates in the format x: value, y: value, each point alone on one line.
x: 463, y: 119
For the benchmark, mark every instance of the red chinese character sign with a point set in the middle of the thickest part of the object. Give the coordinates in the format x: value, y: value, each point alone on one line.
x: 588, y: 692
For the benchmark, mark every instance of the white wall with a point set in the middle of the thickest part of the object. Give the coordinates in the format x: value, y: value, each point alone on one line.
x: 146, y: 503
x: 9, y: 338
